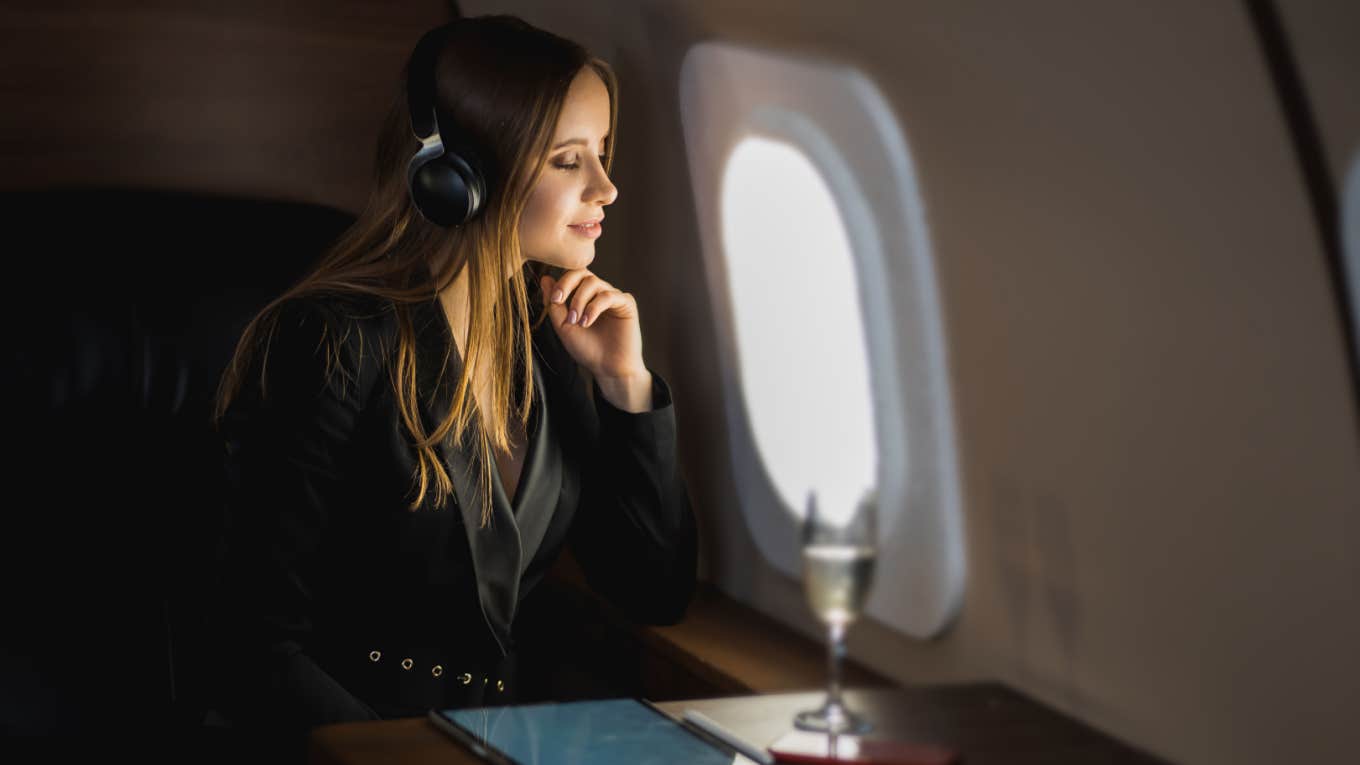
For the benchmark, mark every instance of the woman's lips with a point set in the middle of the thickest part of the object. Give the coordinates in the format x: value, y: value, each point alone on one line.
x: 588, y: 230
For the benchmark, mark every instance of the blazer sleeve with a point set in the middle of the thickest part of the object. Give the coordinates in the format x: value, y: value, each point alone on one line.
x: 634, y: 533
x: 286, y: 443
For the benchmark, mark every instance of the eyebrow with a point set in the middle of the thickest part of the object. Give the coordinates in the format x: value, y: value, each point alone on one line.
x: 570, y: 141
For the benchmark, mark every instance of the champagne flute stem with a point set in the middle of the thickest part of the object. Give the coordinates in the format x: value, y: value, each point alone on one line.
x: 835, y: 648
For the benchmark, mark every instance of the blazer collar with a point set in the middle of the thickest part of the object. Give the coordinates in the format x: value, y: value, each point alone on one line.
x: 502, y: 550
x: 540, y: 481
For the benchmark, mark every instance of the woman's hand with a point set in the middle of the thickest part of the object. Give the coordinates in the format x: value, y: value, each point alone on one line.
x: 599, y: 327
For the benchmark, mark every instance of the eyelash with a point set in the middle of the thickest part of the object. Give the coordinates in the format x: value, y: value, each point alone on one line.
x: 575, y: 165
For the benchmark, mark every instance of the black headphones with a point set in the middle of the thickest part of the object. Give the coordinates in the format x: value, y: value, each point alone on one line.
x: 447, y: 187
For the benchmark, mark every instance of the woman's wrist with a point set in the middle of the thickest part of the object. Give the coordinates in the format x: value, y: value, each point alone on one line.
x: 628, y: 392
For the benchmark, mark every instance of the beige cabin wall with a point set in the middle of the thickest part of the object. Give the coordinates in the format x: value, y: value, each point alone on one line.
x: 1323, y: 37
x: 1157, y: 428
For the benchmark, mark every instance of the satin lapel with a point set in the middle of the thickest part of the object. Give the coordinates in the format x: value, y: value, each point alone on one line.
x: 537, y: 498
x: 495, y: 549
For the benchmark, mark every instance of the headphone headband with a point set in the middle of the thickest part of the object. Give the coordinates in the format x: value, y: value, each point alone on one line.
x: 447, y: 187
x: 420, y: 82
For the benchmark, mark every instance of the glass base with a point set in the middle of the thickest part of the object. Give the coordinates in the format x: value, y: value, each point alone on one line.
x: 831, y: 718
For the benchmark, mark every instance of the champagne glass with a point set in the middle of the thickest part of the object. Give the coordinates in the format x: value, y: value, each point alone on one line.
x: 838, y: 570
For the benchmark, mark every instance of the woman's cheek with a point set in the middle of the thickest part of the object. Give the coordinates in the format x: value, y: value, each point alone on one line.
x: 533, y: 223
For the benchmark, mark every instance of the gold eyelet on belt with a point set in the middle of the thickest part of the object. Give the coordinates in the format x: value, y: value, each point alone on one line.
x: 407, y: 664
x: 437, y: 671
x: 500, y: 685
x: 465, y: 678
x: 374, y: 655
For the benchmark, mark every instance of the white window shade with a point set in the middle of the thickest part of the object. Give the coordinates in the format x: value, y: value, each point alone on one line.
x: 800, y: 331
x: 833, y: 357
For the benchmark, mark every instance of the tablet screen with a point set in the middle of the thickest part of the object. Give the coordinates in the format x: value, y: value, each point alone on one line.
x: 604, y: 732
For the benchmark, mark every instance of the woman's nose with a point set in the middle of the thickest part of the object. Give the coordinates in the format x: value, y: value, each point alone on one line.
x: 603, y: 190
x: 609, y: 192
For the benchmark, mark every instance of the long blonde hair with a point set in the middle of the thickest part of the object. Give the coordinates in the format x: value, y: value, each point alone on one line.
x: 501, y: 86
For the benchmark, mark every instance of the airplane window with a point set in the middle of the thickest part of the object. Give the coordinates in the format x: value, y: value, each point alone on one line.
x: 829, y: 332
x: 799, y: 326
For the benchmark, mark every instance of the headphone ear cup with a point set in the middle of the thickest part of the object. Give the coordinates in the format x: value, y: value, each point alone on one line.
x: 446, y: 189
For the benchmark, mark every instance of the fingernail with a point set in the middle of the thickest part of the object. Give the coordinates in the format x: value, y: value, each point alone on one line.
x: 571, y: 316
x: 557, y: 296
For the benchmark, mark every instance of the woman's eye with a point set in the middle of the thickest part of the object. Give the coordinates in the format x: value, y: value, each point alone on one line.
x: 574, y: 165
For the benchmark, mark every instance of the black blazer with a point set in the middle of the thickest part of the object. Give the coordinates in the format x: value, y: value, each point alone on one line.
x: 339, y: 603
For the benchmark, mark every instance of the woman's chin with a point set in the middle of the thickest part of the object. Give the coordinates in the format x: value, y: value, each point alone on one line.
x: 579, y: 259
x: 567, y: 260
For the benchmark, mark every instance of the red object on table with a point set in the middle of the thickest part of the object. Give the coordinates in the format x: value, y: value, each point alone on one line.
x: 804, y: 747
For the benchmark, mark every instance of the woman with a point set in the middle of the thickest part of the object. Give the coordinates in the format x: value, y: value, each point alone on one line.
x: 417, y: 429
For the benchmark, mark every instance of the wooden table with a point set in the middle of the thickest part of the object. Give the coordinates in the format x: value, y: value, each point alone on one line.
x: 986, y: 722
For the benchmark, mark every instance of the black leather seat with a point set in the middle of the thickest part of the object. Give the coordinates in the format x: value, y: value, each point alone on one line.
x: 122, y: 308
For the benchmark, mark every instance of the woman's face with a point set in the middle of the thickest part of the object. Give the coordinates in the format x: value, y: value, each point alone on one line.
x: 573, y: 188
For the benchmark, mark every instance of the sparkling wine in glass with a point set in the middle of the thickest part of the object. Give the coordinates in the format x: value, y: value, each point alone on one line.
x: 838, y: 572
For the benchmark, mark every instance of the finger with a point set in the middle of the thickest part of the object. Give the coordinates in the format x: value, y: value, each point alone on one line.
x: 556, y: 312
x: 567, y: 282
x: 585, y: 291
x: 617, y: 303
x: 546, y: 284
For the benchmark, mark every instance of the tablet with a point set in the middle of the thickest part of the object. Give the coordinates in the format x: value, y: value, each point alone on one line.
x: 598, y: 732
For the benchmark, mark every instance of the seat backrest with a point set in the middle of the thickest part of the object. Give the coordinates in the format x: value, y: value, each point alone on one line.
x: 122, y: 311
